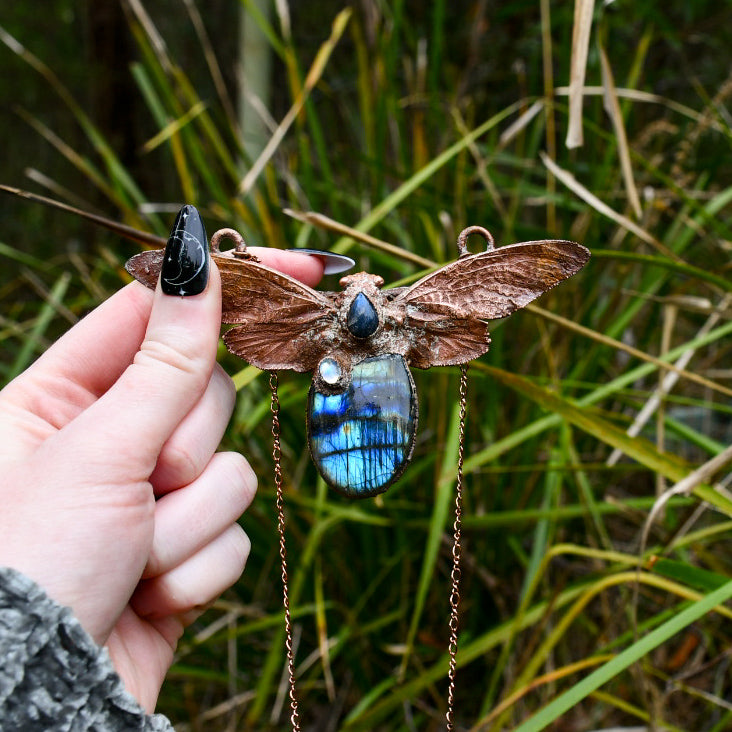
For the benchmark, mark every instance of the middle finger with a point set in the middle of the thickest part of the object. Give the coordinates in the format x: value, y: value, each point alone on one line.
x: 189, y: 449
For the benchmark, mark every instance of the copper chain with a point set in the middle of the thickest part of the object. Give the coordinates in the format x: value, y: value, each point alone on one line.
x: 277, y: 459
x: 456, y: 554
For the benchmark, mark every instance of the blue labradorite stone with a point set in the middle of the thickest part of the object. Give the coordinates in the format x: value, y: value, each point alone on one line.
x: 361, y: 439
x: 363, y: 320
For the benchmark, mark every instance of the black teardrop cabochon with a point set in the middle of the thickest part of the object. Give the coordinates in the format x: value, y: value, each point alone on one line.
x: 362, y: 320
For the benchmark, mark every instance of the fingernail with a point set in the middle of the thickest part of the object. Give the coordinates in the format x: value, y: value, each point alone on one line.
x: 185, y: 264
x: 332, y: 263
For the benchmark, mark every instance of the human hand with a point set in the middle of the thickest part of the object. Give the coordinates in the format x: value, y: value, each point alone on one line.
x: 113, y: 498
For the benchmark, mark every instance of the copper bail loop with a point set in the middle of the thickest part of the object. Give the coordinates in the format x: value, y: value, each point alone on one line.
x: 241, y: 245
x: 462, y: 240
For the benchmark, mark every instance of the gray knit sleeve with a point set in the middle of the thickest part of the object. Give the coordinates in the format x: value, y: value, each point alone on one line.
x: 52, y: 674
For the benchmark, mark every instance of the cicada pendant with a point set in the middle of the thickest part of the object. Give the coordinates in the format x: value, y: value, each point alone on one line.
x: 361, y: 342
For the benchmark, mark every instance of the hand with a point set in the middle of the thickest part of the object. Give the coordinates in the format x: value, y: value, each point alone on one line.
x: 129, y: 407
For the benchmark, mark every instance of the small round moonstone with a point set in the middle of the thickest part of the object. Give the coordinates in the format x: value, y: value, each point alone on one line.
x: 329, y: 371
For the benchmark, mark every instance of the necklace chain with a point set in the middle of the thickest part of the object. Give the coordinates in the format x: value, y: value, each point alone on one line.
x: 456, y: 553
x: 277, y: 459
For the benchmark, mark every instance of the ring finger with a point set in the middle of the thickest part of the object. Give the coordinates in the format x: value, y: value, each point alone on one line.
x: 191, y: 517
x: 197, y: 581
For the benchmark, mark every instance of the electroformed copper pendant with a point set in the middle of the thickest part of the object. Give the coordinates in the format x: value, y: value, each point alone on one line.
x: 360, y: 344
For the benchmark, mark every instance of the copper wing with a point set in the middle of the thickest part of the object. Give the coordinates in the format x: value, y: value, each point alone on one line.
x: 281, y: 323
x: 449, y: 305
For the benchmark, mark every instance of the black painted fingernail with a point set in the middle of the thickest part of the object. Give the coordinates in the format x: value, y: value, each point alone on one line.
x: 332, y: 263
x: 185, y: 265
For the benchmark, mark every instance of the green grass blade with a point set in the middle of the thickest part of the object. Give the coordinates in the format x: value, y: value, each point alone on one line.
x: 519, y: 436
x: 634, y: 447
x: 700, y: 579
x: 444, y: 497
x: 623, y: 660
x: 380, y: 211
x: 48, y: 312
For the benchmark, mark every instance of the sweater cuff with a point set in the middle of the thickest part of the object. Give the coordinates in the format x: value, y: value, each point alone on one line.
x: 53, y: 676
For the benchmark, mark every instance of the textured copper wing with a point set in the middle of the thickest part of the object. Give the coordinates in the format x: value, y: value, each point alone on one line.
x: 282, y: 324
x: 145, y: 267
x: 450, y: 304
x: 279, y: 345
x: 494, y: 283
x: 439, y: 340
x: 255, y: 293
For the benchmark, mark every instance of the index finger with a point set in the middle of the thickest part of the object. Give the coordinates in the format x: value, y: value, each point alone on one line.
x: 307, y: 268
x: 82, y: 365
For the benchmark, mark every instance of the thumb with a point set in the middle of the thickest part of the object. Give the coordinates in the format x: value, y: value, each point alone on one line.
x: 169, y: 373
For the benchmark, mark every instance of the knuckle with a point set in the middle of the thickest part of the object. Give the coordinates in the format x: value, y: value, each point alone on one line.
x: 240, y: 478
x: 186, y: 594
x: 183, y: 357
x: 180, y: 462
x: 237, y: 547
x: 228, y: 389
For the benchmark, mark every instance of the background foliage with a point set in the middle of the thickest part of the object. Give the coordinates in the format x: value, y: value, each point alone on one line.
x: 409, y: 121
